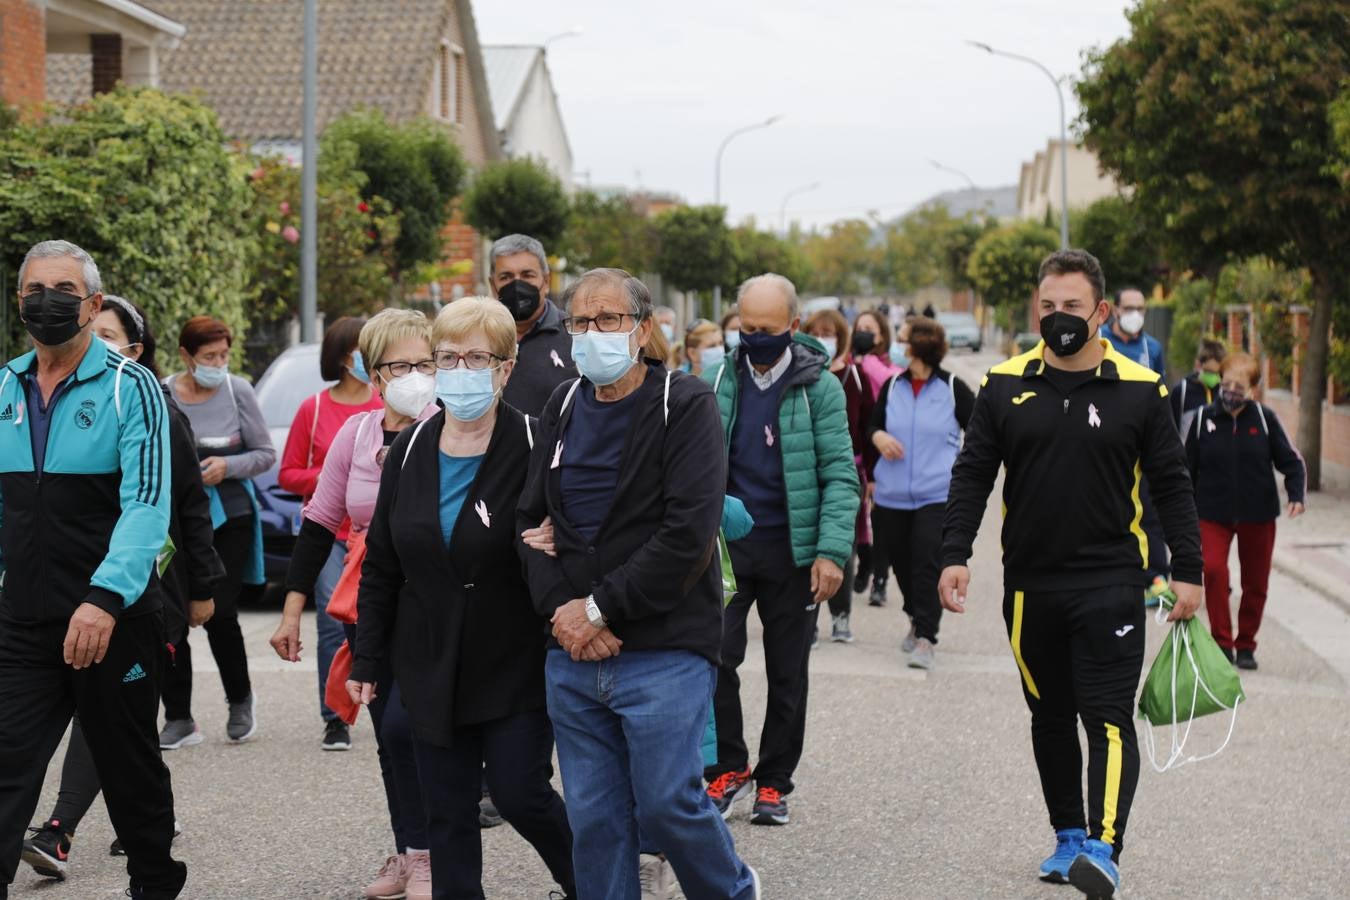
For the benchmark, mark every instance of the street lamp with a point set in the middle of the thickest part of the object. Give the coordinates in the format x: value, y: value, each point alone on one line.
x: 1063, y: 137
x: 940, y: 167
x: 782, y: 209
x: 717, y: 188
x: 574, y: 31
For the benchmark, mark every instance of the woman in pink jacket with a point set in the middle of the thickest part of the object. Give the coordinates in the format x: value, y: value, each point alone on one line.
x: 396, y: 345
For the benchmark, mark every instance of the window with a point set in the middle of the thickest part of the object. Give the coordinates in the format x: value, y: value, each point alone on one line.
x: 445, y: 88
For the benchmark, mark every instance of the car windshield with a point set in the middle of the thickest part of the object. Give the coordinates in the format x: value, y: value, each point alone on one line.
x: 292, y: 377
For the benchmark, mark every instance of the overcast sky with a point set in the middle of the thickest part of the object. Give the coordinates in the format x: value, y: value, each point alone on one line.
x: 869, y: 92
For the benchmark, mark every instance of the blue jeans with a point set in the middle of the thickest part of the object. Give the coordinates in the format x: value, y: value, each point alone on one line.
x: 330, y: 629
x: 629, y: 731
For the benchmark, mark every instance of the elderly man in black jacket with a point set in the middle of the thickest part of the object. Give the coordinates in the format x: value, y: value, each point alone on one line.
x: 628, y: 470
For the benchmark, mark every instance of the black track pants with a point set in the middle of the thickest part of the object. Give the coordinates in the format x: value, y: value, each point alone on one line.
x: 1080, y: 653
x: 118, y: 704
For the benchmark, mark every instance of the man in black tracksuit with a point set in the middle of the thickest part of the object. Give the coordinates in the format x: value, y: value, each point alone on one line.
x: 84, y: 511
x: 1076, y: 429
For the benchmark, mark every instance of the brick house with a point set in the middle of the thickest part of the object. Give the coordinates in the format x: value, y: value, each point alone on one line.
x: 404, y: 57
x: 110, y: 40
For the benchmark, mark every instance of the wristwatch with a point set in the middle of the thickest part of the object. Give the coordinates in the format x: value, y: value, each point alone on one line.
x: 593, y: 614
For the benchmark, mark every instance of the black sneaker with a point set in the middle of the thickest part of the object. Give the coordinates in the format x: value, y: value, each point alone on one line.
x: 860, y: 581
x: 1246, y: 659
x: 1228, y: 652
x: 48, y: 850
x: 488, y: 816
x: 336, y: 735
x: 878, y: 595
x: 160, y: 892
x: 770, y: 808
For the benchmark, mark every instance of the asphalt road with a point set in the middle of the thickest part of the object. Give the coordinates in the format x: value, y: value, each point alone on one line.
x: 913, y: 785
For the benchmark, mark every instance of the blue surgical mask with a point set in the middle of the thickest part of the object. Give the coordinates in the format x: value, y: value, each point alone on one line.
x: 603, y: 357
x: 210, y: 377
x: 711, y: 357
x: 732, y: 338
x: 900, y: 355
x: 358, y: 368
x: 668, y: 330
x: 467, y: 393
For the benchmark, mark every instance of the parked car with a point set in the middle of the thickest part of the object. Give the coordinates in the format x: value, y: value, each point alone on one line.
x: 962, y: 330
x: 292, y: 376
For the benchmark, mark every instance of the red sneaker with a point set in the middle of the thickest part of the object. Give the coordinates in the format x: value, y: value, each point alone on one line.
x: 727, y: 788
x: 770, y: 808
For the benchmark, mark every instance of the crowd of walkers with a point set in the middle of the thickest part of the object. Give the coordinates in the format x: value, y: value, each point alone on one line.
x: 520, y: 524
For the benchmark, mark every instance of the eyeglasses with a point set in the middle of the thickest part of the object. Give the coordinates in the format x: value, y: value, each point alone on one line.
x: 474, y: 359
x: 399, y: 369
x: 607, y: 322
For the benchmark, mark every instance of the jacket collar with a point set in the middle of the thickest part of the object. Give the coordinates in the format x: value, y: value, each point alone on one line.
x: 808, y: 360
x: 91, y: 365
x: 550, y: 321
x: 1108, y: 368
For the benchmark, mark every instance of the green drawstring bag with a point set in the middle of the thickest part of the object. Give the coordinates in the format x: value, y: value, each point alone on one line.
x: 1191, y: 677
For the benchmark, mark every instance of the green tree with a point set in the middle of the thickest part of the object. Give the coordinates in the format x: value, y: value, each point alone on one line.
x: 844, y: 259
x: 143, y: 181
x: 1190, y: 301
x: 694, y: 252
x: 608, y: 232
x: 1004, y: 264
x: 1112, y: 230
x: 930, y: 246
x: 1217, y: 113
x: 517, y: 196
x: 416, y: 167
x: 755, y: 252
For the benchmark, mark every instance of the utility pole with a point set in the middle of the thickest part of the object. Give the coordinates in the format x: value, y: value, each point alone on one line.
x: 309, y: 190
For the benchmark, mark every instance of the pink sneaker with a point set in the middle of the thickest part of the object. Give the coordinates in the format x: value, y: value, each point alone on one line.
x: 419, y: 876
x: 392, y: 882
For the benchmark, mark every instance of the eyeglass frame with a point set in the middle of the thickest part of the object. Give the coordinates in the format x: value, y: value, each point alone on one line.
x: 638, y: 319
x: 413, y: 367
x: 464, y: 357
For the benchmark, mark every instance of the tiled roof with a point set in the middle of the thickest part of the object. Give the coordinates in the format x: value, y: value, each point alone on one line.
x: 245, y: 57
x: 508, y: 71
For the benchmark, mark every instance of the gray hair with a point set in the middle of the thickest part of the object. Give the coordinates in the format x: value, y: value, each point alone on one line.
x: 772, y: 278
x: 58, y: 249
x: 638, y: 294
x: 519, y: 243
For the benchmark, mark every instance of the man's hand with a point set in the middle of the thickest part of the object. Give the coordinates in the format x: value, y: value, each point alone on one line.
x: 572, y: 629
x: 87, y: 637
x: 213, y: 470
x: 603, y: 646
x: 361, y: 692
x: 952, y: 587
x: 1188, y: 600
x: 201, y: 611
x: 286, y: 640
x: 1296, y: 510
x: 826, y: 576
x: 540, y: 538
x: 888, y: 446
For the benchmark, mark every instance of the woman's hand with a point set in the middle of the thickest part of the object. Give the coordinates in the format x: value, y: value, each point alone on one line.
x: 286, y: 641
x: 213, y: 471
x: 1296, y: 510
x: 361, y: 692
x: 888, y: 446
x: 201, y: 611
x: 540, y: 538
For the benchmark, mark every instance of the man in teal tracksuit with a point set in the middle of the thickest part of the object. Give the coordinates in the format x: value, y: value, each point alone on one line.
x: 790, y: 461
x: 84, y: 511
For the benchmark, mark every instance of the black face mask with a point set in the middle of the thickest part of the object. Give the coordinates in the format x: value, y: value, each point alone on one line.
x: 765, y: 349
x: 52, y: 317
x: 1064, y: 333
x: 863, y: 342
x: 520, y: 297
x: 1231, y: 401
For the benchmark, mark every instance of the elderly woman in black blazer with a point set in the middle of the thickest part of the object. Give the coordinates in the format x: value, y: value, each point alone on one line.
x: 443, y: 597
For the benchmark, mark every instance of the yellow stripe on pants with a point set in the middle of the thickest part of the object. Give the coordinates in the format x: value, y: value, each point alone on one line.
x: 1112, y: 795
x: 1016, y: 641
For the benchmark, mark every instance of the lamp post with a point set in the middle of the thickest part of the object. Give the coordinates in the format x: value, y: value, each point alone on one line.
x: 940, y: 167
x: 309, y: 231
x: 782, y: 209
x: 574, y: 31
x: 1063, y: 136
x: 717, y: 189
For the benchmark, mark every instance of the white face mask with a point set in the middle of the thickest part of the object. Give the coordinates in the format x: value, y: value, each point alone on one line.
x: 1132, y: 322
x: 831, y: 345
x: 411, y: 394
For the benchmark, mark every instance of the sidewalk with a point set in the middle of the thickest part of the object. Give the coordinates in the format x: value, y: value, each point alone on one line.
x: 1314, y: 549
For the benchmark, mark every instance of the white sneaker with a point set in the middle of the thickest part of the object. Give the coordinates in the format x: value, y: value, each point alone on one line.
x: 654, y: 877
x: 755, y: 876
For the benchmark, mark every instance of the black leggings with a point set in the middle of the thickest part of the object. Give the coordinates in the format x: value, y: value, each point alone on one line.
x: 910, y: 540
x: 234, y: 543
x: 1080, y: 654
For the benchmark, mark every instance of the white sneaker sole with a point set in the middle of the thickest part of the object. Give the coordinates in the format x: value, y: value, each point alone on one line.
x: 44, y: 865
x: 737, y: 797
x: 191, y: 740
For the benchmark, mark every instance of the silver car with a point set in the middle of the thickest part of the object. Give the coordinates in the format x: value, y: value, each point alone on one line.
x: 962, y: 330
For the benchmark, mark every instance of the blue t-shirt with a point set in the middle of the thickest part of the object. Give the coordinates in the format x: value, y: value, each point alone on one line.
x: 39, y: 416
x: 592, y: 448
x: 457, y: 475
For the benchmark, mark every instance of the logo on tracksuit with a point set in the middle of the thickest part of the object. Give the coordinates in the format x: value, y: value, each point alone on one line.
x: 7, y: 415
x: 85, y: 415
x: 135, y: 673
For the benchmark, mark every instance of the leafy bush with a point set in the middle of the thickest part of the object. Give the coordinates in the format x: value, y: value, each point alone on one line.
x: 517, y: 196
x: 1005, y: 262
x: 1189, y: 301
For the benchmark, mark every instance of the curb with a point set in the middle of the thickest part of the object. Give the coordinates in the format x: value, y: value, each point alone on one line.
x: 1293, y: 568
